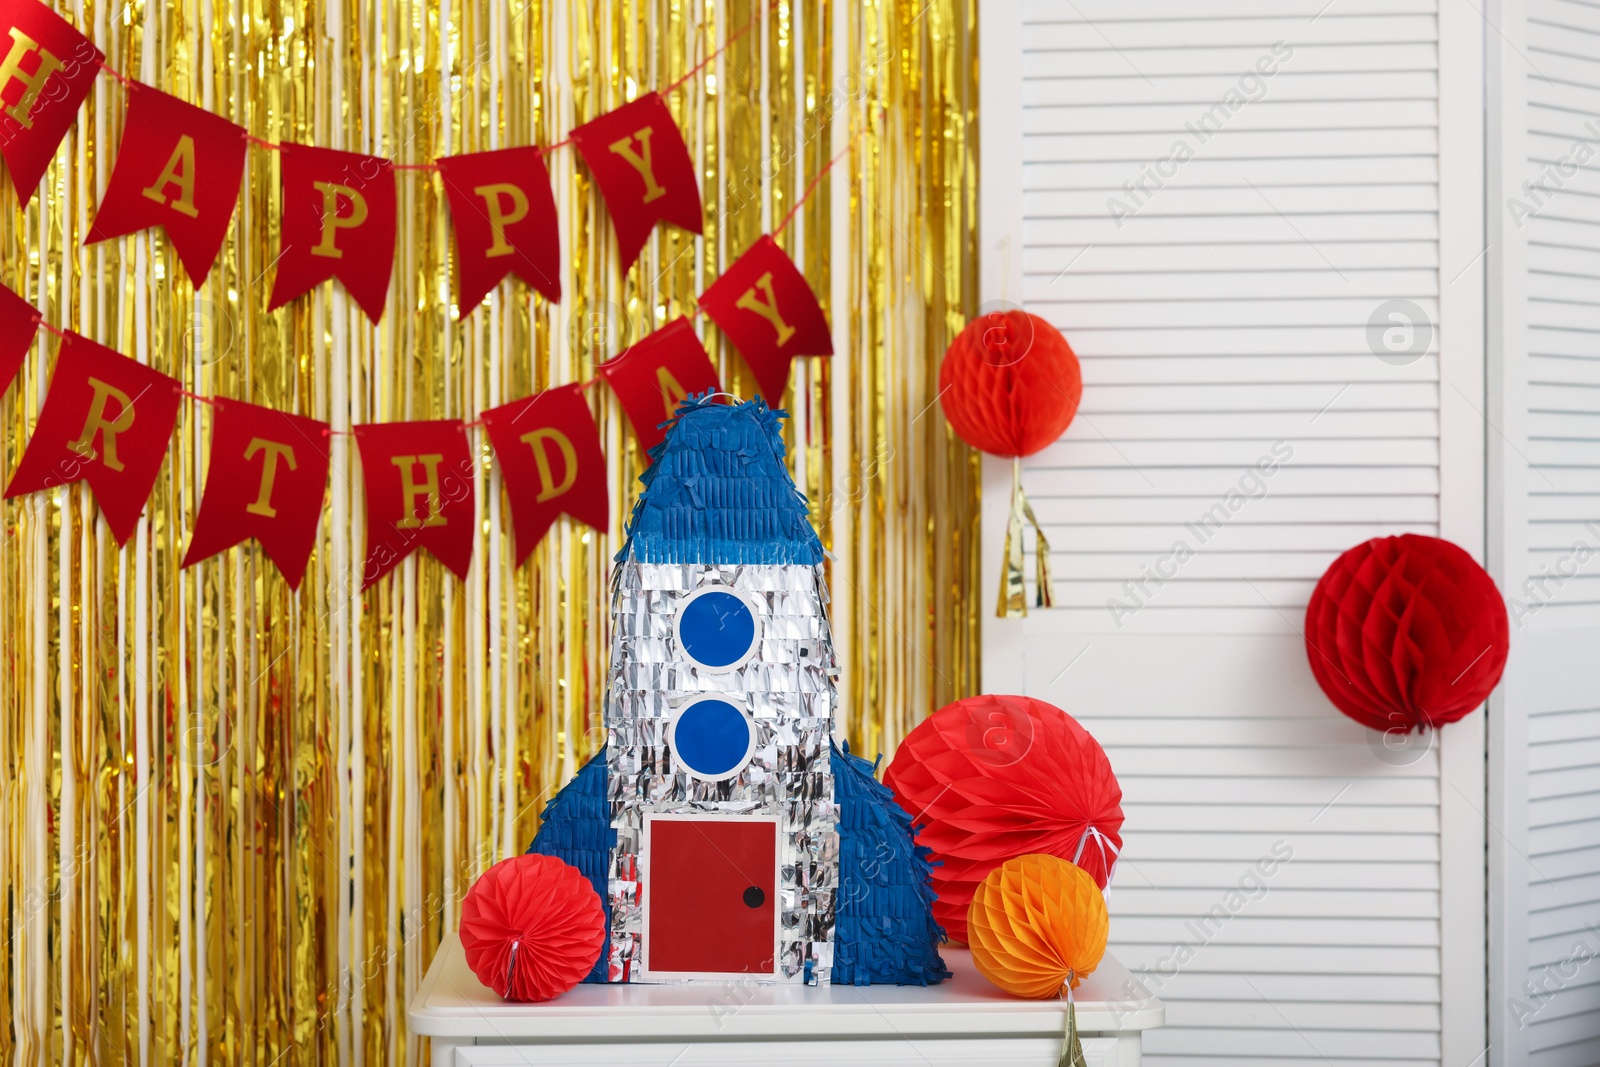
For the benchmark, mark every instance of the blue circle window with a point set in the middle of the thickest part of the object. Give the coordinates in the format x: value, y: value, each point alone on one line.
x: 718, y: 630
x: 711, y: 738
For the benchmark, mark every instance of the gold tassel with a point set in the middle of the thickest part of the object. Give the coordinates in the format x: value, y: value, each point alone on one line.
x: 1013, y: 589
x: 1072, y: 1048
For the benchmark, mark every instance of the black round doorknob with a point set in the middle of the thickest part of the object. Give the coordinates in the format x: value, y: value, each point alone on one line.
x: 754, y: 897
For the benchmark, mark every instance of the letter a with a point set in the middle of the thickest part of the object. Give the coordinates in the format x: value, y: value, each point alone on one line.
x: 179, y: 171
x: 672, y: 393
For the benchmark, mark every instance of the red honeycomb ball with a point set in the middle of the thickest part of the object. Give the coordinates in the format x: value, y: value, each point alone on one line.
x: 532, y: 927
x: 990, y: 778
x: 1406, y: 633
x: 1010, y: 383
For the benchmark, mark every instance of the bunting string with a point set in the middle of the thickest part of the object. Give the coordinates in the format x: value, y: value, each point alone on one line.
x: 181, y: 167
x: 676, y: 84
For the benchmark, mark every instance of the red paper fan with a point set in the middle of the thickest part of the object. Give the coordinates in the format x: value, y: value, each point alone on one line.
x: 990, y: 778
x: 1010, y: 383
x: 532, y: 927
x: 1406, y: 632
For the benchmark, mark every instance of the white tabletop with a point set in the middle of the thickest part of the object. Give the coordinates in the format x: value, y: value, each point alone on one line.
x: 452, y: 1003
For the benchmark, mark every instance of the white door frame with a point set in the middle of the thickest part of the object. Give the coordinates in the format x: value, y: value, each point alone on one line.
x: 1506, y: 125
x: 999, y: 282
x: 1463, y: 797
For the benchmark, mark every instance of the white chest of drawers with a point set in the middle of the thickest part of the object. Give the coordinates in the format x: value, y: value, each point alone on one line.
x: 962, y: 1021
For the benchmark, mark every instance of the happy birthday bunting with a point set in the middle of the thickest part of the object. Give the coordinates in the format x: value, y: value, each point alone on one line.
x: 46, y: 70
x: 338, y: 222
x: 767, y: 309
x: 504, y: 217
x: 107, y: 420
x: 179, y: 168
x: 19, y: 323
x: 550, y: 458
x: 644, y: 171
x: 267, y: 479
x: 653, y: 377
x: 419, y: 487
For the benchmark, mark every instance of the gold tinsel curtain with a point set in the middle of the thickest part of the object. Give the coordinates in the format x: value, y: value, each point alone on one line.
x: 241, y: 819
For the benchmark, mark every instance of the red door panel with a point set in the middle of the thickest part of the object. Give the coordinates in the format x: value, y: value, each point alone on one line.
x: 710, y: 895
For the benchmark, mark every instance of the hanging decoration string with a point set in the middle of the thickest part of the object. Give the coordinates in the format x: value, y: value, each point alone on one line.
x: 707, y: 61
x: 1108, y: 862
x: 432, y: 165
x: 816, y: 179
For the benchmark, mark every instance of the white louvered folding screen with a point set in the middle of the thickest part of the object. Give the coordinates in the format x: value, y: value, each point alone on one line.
x: 1560, y: 1007
x: 1555, y: 1016
x: 1234, y: 405
x: 1562, y: 229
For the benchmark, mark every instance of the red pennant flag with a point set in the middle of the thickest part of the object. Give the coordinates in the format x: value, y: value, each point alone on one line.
x: 504, y: 217
x: 549, y: 452
x: 643, y: 170
x: 47, y: 70
x: 19, y: 323
x: 338, y: 222
x: 655, y: 375
x: 107, y: 420
x: 419, y: 481
x: 767, y: 309
x: 269, y: 472
x: 180, y: 168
